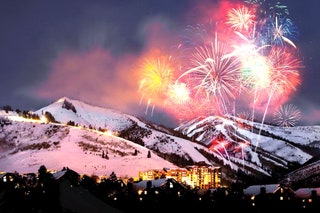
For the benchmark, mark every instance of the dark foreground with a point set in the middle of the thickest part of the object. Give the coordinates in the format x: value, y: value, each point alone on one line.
x: 67, y: 192
x: 67, y: 197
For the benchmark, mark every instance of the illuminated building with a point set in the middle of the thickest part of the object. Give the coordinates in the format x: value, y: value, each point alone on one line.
x: 200, y: 176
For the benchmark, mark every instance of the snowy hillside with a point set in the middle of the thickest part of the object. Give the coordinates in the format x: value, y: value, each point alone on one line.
x: 216, y: 132
x: 85, y: 115
x: 28, y: 145
x: 100, y: 141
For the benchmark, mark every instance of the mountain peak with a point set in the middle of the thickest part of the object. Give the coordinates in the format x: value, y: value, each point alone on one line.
x: 218, y: 141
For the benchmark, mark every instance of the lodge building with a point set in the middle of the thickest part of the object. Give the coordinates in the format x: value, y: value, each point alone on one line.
x: 200, y: 176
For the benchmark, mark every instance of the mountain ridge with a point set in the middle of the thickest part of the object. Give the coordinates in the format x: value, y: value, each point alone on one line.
x: 200, y: 140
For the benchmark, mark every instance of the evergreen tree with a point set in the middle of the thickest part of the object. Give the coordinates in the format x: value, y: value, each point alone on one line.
x: 135, y: 152
x: 112, y: 177
x: 7, y: 108
x: 50, y: 117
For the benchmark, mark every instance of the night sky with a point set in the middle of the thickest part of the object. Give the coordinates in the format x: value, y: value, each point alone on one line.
x: 89, y: 50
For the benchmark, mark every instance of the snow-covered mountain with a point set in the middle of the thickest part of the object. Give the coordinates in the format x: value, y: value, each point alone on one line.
x: 255, y: 141
x: 93, y: 142
x: 269, y: 147
x: 96, y: 140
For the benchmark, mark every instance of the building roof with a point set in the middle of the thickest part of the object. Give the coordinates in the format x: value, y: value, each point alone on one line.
x: 58, y: 175
x: 256, y: 189
x: 155, y: 183
x: 306, y: 192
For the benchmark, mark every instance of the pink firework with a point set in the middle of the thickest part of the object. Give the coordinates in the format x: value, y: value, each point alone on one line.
x: 285, y: 68
x: 215, y: 73
x: 187, y: 105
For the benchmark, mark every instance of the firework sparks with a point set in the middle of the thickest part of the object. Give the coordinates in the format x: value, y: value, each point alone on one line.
x: 156, y: 77
x: 179, y: 93
x: 214, y: 73
x: 285, y: 74
x: 241, y: 18
x: 287, y: 115
x: 254, y: 56
x: 267, y: 8
x: 280, y: 32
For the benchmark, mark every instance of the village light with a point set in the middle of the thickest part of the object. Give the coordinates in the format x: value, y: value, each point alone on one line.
x: 44, y: 119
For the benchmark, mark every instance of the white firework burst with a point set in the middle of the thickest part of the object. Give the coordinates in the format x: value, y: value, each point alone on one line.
x: 287, y: 115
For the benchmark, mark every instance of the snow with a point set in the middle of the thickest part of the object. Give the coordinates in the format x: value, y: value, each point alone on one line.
x: 69, y: 154
x: 80, y: 148
x: 256, y: 189
x: 306, y: 192
x: 279, y: 147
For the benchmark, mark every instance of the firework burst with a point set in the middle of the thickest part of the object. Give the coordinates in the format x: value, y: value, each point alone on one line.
x: 156, y: 78
x: 287, y: 115
x: 253, y: 57
x: 285, y: 75
x: 280, y: 31
x: 244, y: 115
x: 214, y: 73
x: 268, y: 8
x: 240, y: 19
x: 179, y: 93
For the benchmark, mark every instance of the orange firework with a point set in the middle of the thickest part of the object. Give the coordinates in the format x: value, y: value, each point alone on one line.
x: 156, y: 78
